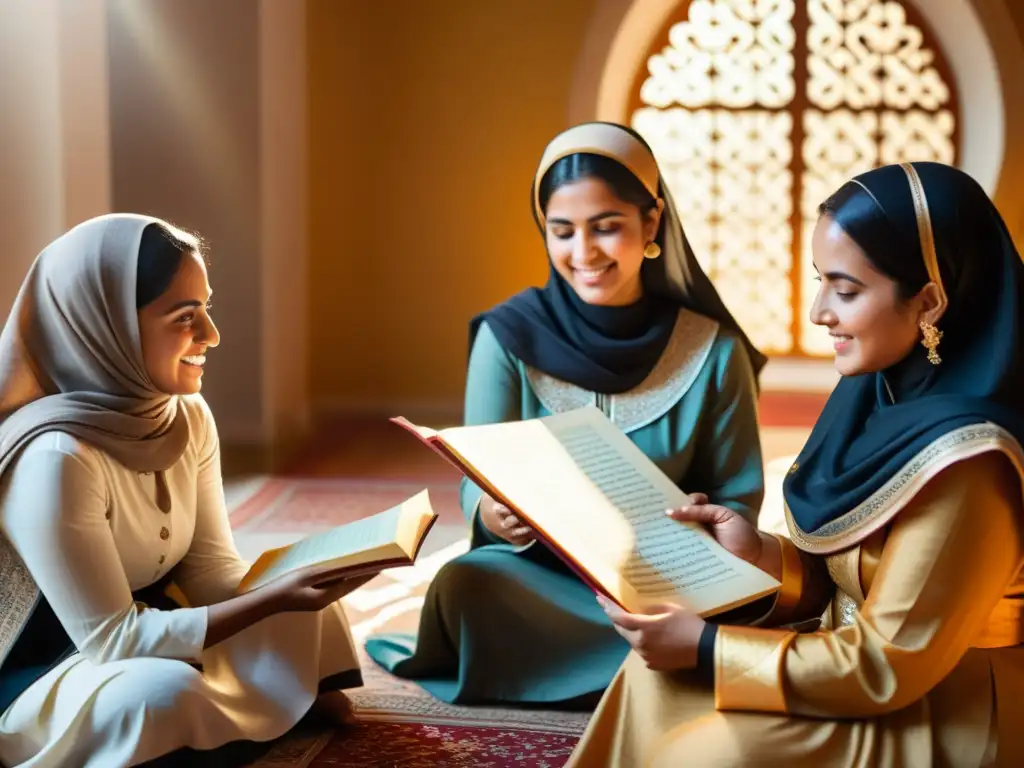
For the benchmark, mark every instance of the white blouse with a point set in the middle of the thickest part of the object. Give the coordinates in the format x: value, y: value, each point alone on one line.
x: 91, y: 533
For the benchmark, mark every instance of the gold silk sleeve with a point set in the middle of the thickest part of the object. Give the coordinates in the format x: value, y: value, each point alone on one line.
x: 923, y: 611
x: 806, y: 587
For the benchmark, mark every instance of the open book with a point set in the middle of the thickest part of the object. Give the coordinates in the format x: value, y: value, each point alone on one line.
x: 385, y: 540
x: 599, y: 502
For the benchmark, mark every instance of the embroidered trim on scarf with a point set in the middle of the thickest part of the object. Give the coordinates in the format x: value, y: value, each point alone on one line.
x: 685, y: 355
x: 885, y: 503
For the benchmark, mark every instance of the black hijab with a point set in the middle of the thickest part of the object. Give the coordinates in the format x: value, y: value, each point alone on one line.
x: 608, y: 349
x: 863, y: 440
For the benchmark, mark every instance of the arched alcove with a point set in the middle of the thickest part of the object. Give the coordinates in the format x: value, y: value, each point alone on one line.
x: 855, y: 84
x: 980, y: 44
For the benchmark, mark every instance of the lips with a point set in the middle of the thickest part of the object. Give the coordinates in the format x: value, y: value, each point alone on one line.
x: 591, y: 276
x: 592, y: 271
x: 840, y: 341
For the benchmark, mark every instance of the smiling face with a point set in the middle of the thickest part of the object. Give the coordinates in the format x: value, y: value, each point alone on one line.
x: 871, y: 326
x: 596, y: 241
x: 176, y: 330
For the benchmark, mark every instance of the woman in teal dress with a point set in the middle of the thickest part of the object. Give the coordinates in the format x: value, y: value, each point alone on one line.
x: 629, y: 322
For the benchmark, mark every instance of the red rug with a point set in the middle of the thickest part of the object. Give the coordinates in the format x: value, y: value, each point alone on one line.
x: 409, y: 745
x: 286, y: 504
x: 790, y: 409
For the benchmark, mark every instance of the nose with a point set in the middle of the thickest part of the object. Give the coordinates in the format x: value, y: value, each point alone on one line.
x: 821, y: 313
x: 207, y: 333
x: 582, y: 247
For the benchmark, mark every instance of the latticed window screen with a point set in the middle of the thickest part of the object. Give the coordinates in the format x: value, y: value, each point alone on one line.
x: 759, y: 109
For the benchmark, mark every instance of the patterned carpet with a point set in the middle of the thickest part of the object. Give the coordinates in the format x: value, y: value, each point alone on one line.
x: 421, y: 745
x: 444, y: 746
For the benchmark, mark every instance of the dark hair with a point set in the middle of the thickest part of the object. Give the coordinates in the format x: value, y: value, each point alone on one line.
x: 582, y: 165
x: 160, y: 254
x: 887, y: 247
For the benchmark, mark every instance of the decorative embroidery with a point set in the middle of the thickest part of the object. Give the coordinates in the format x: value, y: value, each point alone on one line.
x: 887, y: 501
x: 845, y: 608
x: 18, y: 596
x: 673, y: 375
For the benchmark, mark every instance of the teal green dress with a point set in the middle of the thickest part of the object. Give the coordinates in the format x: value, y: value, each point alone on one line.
x: 504, y: 624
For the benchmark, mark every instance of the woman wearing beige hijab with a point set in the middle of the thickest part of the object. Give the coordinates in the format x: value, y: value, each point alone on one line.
x: 110, y: 490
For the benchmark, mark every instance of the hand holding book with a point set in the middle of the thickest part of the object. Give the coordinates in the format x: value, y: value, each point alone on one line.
x: 504, y: 523
x: 733, y: 532
x: 360, y: 548
x: 312, y: 588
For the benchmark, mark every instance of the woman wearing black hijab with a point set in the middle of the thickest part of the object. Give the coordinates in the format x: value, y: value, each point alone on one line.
x: 905, y: 518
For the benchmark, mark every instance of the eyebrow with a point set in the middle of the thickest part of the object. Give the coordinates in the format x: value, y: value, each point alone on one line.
x: 597, y: 217
x: 833, y: 276
x: 190, y: 303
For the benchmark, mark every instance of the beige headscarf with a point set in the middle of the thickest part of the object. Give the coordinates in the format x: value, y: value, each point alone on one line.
x: 71, y: 355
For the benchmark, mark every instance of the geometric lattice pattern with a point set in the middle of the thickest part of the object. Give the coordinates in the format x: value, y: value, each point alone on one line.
x: 732, y: 53
x: 718, y: 104
x: 730, y: 174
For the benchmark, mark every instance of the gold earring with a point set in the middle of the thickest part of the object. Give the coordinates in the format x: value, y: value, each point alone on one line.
x: 652, y: 251
x: 931, y: 336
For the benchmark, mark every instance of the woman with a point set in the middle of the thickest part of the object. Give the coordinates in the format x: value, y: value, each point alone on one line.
x: 629, y: 322
x: 905, y: 514
x: 110, y: 490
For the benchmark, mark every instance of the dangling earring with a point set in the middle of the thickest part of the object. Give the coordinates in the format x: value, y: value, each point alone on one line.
x: 931, y: 336
x: 652, y: 251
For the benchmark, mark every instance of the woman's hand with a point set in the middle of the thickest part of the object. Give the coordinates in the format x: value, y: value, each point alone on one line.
x: 665, y: 637
x: 310, y: 589
x: 734, y: 532
x: 503, y: 522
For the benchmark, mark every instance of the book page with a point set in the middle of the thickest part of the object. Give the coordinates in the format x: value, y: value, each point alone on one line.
x: 416, y: 517
x: 666, y: 558
x: 587, y: 486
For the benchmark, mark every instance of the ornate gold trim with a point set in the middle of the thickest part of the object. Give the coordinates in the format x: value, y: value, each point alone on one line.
x: 685, y: 354
x: 924, y: 228
x: 885, y: 503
